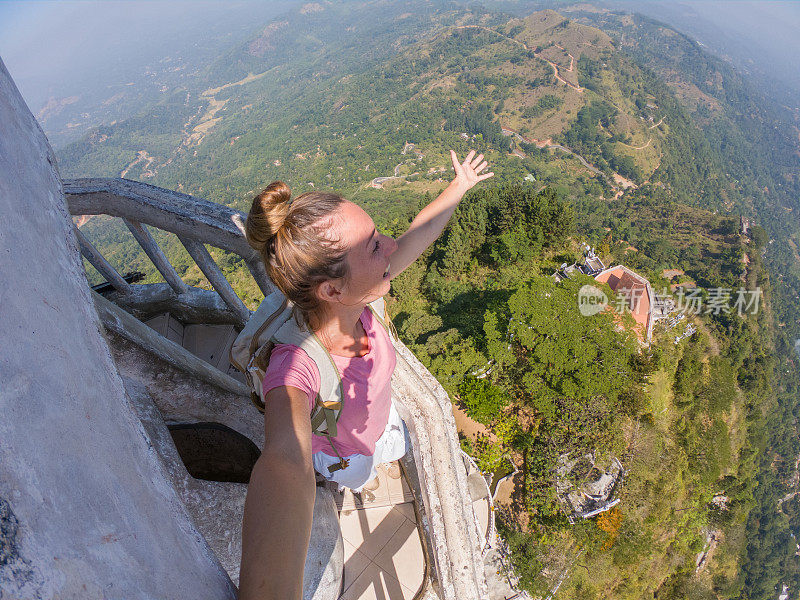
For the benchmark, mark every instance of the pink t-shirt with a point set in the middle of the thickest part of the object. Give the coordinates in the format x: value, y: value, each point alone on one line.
x: 367, y: 388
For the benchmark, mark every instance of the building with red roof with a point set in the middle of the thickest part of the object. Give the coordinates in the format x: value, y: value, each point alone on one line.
x: 637, y: 293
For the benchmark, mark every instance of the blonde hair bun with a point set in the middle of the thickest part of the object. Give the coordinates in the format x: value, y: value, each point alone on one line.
x: 268, y: 214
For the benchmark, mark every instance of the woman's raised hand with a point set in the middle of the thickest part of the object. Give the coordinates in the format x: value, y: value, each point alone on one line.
x: 468, y: 173
x: 431, y: 220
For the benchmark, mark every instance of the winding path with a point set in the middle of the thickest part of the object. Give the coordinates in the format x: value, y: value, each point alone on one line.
x: 142, y: 156
x: 650, y: 139
x: 194, y: 136
x: 642, y: 147
x: 549, y: 144
x: 380, y: 180
x: 571, y: 58
x: 577, y: 88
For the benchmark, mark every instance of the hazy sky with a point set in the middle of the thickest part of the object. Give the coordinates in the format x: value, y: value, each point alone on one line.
x: 762, y: 33
x: 46, y: 43
x: 774, y: 25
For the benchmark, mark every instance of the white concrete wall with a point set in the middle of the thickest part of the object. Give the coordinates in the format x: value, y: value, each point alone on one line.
x: 86, y: 510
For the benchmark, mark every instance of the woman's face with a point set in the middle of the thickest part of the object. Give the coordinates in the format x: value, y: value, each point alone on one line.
x: 368, y: 253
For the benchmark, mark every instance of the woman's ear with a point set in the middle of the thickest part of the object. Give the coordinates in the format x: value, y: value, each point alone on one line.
x: 329, y: 291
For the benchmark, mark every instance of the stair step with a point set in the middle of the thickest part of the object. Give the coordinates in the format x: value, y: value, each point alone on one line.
x: 168, y: 326
x: 211, y: 343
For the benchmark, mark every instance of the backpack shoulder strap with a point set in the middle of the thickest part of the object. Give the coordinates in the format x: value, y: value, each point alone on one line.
x: 273, y: 311
x: 378, y: 309
x: 331, y: 393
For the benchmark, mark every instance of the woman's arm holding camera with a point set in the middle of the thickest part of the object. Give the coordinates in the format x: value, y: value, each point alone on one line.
x: 431, y: 220
x: 280, y: 502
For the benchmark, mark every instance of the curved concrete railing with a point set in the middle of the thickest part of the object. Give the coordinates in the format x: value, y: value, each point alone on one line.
x: 491, y: 530
x: 448, y: 518
x: 195, y: 221
x: 456, y: 543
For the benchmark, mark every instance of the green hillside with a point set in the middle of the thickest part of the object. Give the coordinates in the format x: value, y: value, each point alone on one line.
x: 679, y: 415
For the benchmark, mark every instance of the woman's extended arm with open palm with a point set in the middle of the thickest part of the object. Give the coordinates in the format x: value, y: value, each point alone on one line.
x: 280, y: 502
x: 431, y: 220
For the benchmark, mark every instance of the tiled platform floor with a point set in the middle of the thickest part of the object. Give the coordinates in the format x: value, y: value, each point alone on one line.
x: 383, y: 552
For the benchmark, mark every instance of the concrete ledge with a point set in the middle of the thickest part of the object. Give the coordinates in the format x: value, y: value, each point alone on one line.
x: 196, y: 305
x: 215, y: 507
x: 449, y: 519
x: 183, y: 398
x: 205, y: 221
x: 324, y: 566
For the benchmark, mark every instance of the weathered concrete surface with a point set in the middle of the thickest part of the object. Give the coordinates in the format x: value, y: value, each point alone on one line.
x: 185, y: 215
x: 86, y: 508
x: 182, y: 397
x: 215, y: 507
x: 193, y: 306
x: 324, y: 567
x: 501, y: 583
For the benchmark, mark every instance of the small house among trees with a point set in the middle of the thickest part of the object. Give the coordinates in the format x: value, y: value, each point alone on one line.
x: 591, y: 265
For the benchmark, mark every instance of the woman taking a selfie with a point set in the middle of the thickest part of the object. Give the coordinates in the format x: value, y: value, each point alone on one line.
x: 326, y: 256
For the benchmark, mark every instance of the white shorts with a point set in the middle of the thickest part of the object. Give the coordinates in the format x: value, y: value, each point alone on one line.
x: 361, y: 469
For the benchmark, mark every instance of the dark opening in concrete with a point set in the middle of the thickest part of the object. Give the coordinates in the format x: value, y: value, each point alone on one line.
x: 214, y: 452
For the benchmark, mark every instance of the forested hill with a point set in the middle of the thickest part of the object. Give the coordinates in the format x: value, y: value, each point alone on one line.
x: 750, y: 137
x: 304, y: 120
x: 601, y: 128
x: 754, y: 138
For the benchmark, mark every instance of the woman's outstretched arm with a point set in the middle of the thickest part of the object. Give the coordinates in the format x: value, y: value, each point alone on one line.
x: 280, y: 502
x: 431, y: 220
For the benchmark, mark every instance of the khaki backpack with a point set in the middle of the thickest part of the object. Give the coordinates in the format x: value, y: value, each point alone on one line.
x: 274, y: 323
